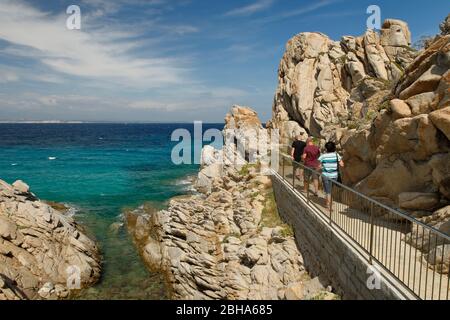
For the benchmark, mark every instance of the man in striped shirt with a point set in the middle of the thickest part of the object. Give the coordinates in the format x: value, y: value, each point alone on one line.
x: 329, y: 163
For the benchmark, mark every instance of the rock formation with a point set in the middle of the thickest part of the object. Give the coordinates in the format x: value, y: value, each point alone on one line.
x: 445, y: 26
x: 324, y: 83
x: 388, y: 108
x: 403, y: 157
x: 41, y: 250
x: 226, y: 242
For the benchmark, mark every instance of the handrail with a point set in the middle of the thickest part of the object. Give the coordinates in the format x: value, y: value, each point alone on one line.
x: 386, y: 235
x: 392, y: 210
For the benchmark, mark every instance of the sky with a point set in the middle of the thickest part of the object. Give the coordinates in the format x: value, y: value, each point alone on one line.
x: 166, y: 60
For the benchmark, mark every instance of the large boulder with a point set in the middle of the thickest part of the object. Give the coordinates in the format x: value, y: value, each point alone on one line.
x: 310, y: 91
x: 207, y: 176
x: 321, y: 82
x: 429, y: 243
x: 243, y: 118
x: 435, y: 249
x: 407, y: 145
x: 43, y: 253
x: 395, y: 33
x: 209, y: 156
x: 440, y: 165
x: 21, y: 186
x: 400, y: 109
x: 419, y: 201
x: 423, y: 103
x: 244, y: 133
x: 441, y: 119
x: 439, y: 258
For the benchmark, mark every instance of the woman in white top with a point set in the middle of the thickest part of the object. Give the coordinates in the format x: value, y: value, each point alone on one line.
x: 330, y: 163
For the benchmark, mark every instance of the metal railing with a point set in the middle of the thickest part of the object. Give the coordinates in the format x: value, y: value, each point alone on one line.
x: 411, y: 251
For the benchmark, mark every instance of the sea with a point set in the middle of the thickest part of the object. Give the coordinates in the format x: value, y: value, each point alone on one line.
x: 100, y: 170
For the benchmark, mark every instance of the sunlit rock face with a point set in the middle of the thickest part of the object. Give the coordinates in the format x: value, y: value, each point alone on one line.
x: 385, y: 104
x: 407, y: 146
x: 323, y: 83
x: 43, y: 253
x: 227, y: 241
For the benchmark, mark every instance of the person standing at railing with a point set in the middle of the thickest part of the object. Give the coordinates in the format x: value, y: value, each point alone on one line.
x: 330, y: 163
x: 298, y: 146
x: 311, y: 156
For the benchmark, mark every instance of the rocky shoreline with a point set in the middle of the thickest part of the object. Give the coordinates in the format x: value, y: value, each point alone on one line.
x: 228, y: 241
x: 386, y: 105
x: 44, y: 254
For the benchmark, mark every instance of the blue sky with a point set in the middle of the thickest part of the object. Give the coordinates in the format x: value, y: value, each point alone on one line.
x: 166, y: 60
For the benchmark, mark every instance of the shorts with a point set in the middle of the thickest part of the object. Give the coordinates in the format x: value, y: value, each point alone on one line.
x: 327, y: 184
x: 297, y: 164
x: 309, y: 173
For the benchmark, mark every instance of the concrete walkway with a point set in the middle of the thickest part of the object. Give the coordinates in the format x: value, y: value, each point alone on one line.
x: 388, y: 246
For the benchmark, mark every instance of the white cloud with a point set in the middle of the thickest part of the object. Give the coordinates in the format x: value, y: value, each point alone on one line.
x: 250, y: 9
x: 314, y: 6
x: 48, y: 78
x: 85, y: 53
x: 48, y: 100
x: 307, y: 9
x: 181, y: 29
x: 195, y: 98
x: 16, y: 74
x: 116, y: 71
x: 8, y: 76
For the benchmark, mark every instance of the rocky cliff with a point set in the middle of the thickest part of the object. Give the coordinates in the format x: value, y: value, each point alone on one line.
x: 42, y: 251
x: 226, y: 242
x: 383, y: 102
x: 403, y: 156
x: 388, y: 108
x: 324, y: 84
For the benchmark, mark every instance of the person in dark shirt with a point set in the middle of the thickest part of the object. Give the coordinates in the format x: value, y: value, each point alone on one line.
x: 298, y: 146
x: 311, y: 156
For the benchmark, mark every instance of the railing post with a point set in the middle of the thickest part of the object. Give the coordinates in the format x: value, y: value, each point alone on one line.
x: 293, y: 174
x: 331, y: 203
x: 309, y: 180
x: 372, y: 229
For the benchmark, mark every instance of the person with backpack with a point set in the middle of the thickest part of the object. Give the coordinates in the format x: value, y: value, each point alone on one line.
x: 330, y: 163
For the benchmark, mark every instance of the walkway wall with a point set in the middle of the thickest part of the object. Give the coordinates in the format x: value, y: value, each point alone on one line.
x: 329, y: 254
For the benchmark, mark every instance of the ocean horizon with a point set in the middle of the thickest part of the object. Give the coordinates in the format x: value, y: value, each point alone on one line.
x: 103, y: 122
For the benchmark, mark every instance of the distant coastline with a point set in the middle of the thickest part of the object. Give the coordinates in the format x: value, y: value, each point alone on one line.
x: 98, y: 122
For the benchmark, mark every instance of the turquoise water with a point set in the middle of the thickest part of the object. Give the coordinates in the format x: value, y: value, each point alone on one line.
x: 100, y: 170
